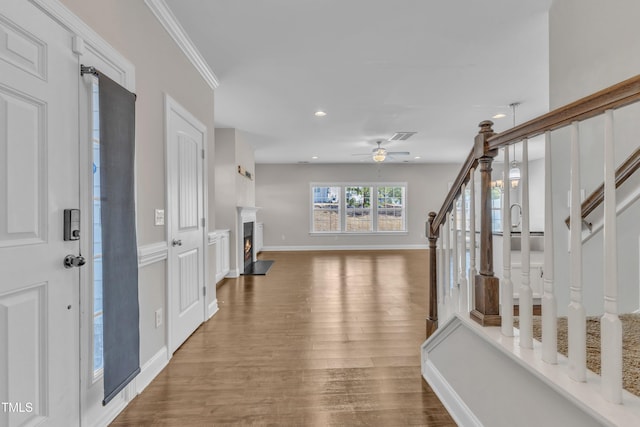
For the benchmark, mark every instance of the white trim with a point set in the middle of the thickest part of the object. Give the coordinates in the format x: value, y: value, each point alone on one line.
x: 151, y: 369
x: 216, y: 234
x: 169, y: 22
x: 91, y: 41
x: 111, y: 412
x: 213, y: 237
x: 343, y: 248
x: 585, y: 395
x: 232, y: 274
x: 152, y: 253
x: 212, y: 308
x: 459, y: 411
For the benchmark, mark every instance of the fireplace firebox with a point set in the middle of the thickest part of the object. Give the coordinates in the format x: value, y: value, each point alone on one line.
x: 248, y: 245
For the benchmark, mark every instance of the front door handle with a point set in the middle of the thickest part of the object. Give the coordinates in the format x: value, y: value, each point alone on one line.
x: 176, y: 242
x: 71, y: 261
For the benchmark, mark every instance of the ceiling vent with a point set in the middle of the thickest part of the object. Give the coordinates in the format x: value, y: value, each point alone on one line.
x: 401, y: 136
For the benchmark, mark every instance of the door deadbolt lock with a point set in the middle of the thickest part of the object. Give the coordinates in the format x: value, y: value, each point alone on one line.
x: 71, y: 224
x: 71, y: 261
x: 176, y: 242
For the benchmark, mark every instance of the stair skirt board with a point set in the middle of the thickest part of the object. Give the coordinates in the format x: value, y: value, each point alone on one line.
x: 484, y: 378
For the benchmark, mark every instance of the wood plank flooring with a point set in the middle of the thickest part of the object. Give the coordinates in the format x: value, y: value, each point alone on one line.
x: 324, y: 339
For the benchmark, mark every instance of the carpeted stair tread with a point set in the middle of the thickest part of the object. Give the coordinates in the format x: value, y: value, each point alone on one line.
x: 630, y: 346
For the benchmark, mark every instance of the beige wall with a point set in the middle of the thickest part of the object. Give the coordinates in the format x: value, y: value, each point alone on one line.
x: 283, y: 194
x: 593, y: 45
x: 231, y: 188
x: 131, y: 28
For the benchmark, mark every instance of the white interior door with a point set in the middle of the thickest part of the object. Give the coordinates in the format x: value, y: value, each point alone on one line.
x: 39, y: 310
x: 185, y: 151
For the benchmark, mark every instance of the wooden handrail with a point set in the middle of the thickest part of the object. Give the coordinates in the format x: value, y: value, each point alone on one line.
x: 623, y: 173
x: 462, y: 178
x: 616, y: 96
x: 486, y: 311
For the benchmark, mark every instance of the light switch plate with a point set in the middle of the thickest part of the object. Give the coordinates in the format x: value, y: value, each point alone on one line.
x: 158, y: 317
x: 159, y: 217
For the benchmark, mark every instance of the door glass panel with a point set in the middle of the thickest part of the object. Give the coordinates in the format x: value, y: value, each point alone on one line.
x: 98, y: 362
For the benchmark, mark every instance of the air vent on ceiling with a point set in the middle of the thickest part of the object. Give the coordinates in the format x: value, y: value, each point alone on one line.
x: 401, y: 136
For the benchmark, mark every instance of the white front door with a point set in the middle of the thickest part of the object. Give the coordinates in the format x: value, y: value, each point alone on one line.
x: 39, y: 297
x: 185, y: 200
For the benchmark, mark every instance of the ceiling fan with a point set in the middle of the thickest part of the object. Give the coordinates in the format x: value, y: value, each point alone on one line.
x: 380, y: 154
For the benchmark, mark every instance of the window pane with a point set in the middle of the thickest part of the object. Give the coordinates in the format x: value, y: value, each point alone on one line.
x: 326, y: 209
x: 97, y: 242
x: 496, y: 209
x: 358, y: 208
x: 98, y: 361
x: 391, y: 209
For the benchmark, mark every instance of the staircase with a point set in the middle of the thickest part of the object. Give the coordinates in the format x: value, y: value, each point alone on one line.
x: 484, y: 370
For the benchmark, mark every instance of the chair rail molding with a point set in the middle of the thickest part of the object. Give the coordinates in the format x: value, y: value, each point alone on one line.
x: 152, y: 253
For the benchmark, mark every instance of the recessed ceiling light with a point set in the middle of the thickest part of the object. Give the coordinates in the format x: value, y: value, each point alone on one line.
x: 417, y: 157
x: 314, y: 157
x: 320, y: 113
x: 499, y: 116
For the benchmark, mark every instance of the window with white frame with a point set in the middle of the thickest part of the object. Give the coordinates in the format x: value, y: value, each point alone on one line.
x: 358, y: 208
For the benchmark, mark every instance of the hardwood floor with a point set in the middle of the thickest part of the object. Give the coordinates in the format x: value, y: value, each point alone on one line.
x: 324, y: 339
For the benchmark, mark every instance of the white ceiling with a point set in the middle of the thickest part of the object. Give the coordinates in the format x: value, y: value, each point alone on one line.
x: 375, y: 67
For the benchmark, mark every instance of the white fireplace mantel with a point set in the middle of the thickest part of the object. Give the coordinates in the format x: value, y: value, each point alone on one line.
x: 247, y: 214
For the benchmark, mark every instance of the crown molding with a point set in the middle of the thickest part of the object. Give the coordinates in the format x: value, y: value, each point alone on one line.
x: 168, y: 20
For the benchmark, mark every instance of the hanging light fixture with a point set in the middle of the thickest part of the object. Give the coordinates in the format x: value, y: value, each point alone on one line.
x: 379, y: 154
x: 514, y: 172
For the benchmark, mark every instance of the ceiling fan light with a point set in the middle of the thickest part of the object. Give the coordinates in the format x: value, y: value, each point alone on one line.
x: 379, y: 155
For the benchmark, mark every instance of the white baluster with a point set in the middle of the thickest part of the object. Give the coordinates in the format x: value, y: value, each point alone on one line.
x: 441, y: 280
x: 472, y: 243
x: 576, y: 314
x: 611, y: 327
x: 455, y: 291
x: 506, y: 286
x: 447, y: 262
x: 464, y: 291
x: 525, y: 294
x: 549, y: 305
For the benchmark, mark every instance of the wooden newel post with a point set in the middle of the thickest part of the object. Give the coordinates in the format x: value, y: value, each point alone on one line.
x: 487, y: 288
x: 432, y: 315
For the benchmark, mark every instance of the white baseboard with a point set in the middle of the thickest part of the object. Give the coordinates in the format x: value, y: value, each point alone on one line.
x: 342, y: 248
x: 113, y: 410
x: 233, y: 273
x: 456, y: 407
x: 212, y: 309
x: 151, y: 369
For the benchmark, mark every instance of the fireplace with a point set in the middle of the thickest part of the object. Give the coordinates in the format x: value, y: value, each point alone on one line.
x: 246, y: 256
x: 248, y: 264
x: 247, y: 245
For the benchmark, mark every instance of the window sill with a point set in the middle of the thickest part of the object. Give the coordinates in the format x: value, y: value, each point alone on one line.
x: 356, y: 233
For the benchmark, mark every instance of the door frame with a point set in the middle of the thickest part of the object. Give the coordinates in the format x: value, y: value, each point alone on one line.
x: 93, y: 50
x: 170, y: 105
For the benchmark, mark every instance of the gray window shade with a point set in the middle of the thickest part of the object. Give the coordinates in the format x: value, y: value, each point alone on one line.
x: 119, y: 247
